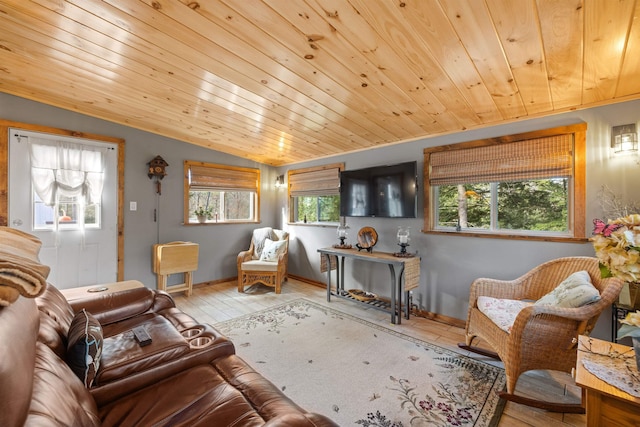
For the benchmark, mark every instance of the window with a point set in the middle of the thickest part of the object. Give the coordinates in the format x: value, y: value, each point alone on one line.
x: 314, y: 194
x: 67, y: 181
x: 528, y: 185
x: 71, y: 213
x: 220, y: 194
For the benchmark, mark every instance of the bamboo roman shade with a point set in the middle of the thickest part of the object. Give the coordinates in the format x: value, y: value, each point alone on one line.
x: 322, y: 181
x: 547, y: 157
x: 220, y: 177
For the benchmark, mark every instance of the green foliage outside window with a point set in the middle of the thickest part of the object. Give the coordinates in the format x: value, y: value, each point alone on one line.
x: 533, y: 205
x: 317, y: 208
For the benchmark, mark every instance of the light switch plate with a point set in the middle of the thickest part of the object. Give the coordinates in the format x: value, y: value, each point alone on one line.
x: 133, y: 206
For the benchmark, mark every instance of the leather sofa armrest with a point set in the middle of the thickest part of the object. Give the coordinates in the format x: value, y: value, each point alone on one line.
x: 162, y: 301
x: 120, y: 305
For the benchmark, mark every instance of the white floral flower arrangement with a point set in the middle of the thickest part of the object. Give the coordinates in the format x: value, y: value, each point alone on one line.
x: 617, y: 246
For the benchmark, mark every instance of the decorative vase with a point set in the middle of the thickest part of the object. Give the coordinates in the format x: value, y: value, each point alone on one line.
x: 202, y: 219
x: 636, y: 349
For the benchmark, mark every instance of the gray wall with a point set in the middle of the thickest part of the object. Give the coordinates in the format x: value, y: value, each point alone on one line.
x: 449, y: 263
x: 219, y: 244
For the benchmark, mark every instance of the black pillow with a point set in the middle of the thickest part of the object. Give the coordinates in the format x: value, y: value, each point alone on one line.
x: 84, y: 346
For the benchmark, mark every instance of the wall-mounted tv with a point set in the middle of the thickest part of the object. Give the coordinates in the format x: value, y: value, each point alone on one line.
x: 389, y: 191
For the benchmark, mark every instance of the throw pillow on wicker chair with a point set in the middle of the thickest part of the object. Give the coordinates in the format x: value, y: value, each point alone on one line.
x: 574, y: 291
x: 272, y: 249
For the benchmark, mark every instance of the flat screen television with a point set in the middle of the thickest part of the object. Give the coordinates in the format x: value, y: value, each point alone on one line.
x: 389, y: 191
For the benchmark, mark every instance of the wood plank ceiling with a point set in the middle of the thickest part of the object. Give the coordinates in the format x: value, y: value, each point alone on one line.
x: 285, y: 81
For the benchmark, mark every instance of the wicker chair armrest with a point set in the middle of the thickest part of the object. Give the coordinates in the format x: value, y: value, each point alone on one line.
x: 578, y: 313
x: 244, y: 256
x: 586, y: 313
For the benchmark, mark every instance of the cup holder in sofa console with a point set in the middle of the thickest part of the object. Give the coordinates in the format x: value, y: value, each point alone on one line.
x: 200, y: 342
x: 192, y: 332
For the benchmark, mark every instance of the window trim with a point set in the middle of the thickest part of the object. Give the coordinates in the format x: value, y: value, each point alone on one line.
x: 577, y: 192
x: 321, y: 174
x: 242, y: 171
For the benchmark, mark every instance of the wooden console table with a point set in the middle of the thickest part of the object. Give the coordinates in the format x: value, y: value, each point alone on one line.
x: 606, y: 404
x: 408, y: 277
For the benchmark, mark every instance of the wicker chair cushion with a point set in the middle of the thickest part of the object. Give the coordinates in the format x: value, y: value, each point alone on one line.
x: 272, y: 249
x: 574, y: 291
x: 502, y: 312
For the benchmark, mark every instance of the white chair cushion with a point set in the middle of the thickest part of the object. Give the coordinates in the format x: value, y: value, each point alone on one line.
x: 258, y: 265
x: 272, y: 250
x: 502, y: 312
x: 574, y: 291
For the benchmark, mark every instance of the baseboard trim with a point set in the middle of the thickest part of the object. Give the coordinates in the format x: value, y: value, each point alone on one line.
x: 447, y: 320
x: 216, y: 282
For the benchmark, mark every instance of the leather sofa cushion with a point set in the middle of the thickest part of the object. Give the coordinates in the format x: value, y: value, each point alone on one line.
x: 56, y: 319
x: 59, y: 397
x: 18, y: 331
x: 259, y: 391
x: 224, y: 393
x: 197, y: 397
x: 123, y: 356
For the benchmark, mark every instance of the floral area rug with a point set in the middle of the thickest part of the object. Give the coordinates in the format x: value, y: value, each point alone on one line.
x: 359, y: 373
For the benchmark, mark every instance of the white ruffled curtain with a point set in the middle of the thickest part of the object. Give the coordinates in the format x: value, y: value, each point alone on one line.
x: 66, y: 169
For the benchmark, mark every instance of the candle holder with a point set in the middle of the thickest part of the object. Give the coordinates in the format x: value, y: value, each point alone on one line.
x: 342, y: 236
x: 403, y: 236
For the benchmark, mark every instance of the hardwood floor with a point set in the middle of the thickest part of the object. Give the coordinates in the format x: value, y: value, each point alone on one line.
x: 216, y: 303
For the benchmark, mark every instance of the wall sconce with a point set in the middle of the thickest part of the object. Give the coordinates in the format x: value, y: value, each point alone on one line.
x: 156, y: 169
x: 280, y: 181
x: 624, y: 138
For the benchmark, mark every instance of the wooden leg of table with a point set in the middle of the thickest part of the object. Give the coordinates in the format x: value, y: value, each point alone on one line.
x: 188, y: 279
x: 593, y: 405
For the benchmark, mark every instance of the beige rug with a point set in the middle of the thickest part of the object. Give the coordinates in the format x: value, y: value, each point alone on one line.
x: 359, y: 373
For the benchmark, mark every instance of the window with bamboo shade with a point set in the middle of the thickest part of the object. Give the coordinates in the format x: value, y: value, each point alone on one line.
x: 220, y: 194
x: 529, y: 185
x: 314, y: 194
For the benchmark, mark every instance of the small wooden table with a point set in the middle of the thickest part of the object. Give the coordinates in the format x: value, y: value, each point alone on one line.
x: 173, y: 258
x: 607, y: 405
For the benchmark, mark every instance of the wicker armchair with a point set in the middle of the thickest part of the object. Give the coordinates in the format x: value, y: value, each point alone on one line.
x: 542, y: 337
x: 254, y: 268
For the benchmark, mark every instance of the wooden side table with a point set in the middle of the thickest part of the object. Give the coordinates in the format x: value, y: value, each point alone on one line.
x: 172, y: 258
x: 606, y: 404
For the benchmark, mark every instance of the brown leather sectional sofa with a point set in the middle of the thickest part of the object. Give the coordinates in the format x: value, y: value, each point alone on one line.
x: 188, y: 375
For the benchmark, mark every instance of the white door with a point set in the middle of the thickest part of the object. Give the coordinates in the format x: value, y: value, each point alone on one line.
x: 80, y: 244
